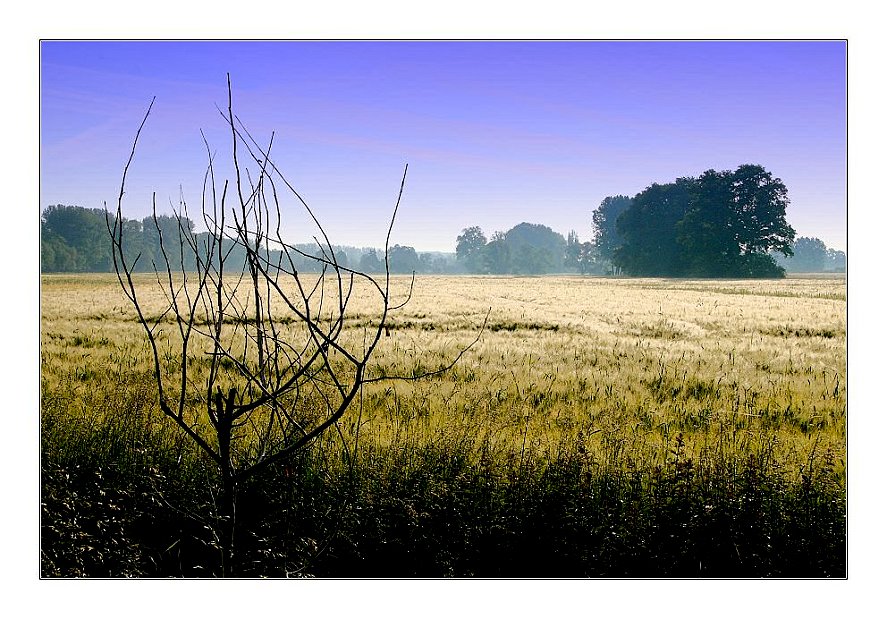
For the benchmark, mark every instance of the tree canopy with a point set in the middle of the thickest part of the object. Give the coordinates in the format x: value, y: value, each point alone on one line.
x: 810, y: 255
x: 524, y: 249
x: 648, y: 228
x: 470, y: 247
x: 403, y: 259
x: 720, y: 224
x: 74, y: 239
x: 603, y: 219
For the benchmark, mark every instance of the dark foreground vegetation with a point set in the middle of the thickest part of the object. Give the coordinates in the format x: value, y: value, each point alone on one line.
x: 129, y: 498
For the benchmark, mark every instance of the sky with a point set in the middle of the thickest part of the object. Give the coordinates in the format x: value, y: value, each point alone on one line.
x: 495, y: 132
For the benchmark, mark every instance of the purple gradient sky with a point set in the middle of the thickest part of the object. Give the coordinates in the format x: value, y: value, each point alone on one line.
x: 495, y: 133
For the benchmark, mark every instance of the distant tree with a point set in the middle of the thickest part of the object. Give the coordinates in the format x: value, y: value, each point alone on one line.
x: 497, y: 255
x: 836, y: 260
x: 83, y: 231
x: 439, y: 264
x: 809, y: 256
x: 165, y: 227
x: 606, y: 235
x: 721, y: 224
x: 535, y: 248
x: 469, y: 248
x: 403, y: 259
x: 55, y: 253
x: 341, y: 258
x: 424, y: 263
x: 708, y: 231
x: 587, y: 260
x: 353, y: 254
x: 648, y: 228
x: 571, y: 253
x: 532, y: 260
x: 135, y: 243
x: 370, y: 263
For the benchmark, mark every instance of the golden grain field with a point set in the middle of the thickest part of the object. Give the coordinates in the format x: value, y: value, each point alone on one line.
x: 622, y: 366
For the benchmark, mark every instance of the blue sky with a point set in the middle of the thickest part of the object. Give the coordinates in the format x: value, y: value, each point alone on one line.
x: 495, y: 133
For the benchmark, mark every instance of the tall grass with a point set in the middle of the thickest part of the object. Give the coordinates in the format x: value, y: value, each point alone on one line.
x: 601, y: 428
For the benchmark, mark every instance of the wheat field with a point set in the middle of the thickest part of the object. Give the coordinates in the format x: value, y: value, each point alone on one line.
x: 623, y: 366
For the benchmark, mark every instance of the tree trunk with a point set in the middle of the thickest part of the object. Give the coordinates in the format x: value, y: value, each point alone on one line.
x: 227, y: 496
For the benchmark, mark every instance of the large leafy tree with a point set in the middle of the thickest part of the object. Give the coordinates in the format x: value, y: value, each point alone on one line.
x: 648, y: 229
x: 759, y: 204
x: 534, y: 249
x: 497, y: 255
x: 606, y: 236
x: 403, y: 259
x: 470, y: 248
x: 721, y: 224
x: 708, y: 230
x: 736, y: 219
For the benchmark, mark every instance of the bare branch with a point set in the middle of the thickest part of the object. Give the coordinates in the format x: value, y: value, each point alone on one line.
x: 256, y: 367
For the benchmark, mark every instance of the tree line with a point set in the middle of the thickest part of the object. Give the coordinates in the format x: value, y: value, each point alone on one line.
x: 727, y: 223
x: 76, y: 239
x: 720, y: 224
x: 810, y: 255
x: 529, y: 249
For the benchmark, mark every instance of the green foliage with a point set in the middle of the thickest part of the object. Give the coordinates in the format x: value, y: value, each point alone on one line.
x: 649, y: 229
x: 582, y: 257
x: 758, y: 210
x: 525, y: 249
x: 370, y: 263
x: 721, y: 224
x: 572, y: 251
x: 535, y: 248
x: 55, y: 254
x: 403, y: 259
x: 497, y: 256
x: 606, y: 235
x: 470, y: 248
x: 707, y: 231
x: 836, y: 261
x: 810, y: 255
x: 76, y: 239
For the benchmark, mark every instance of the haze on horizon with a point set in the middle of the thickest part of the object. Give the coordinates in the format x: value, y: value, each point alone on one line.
x: 495, y: 133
